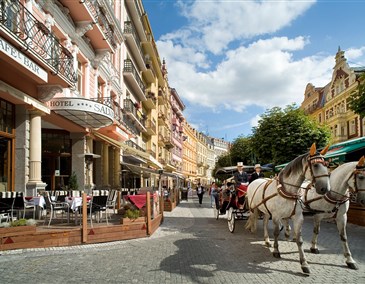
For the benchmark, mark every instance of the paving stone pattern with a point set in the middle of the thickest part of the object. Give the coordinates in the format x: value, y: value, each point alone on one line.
x: 190, y: 247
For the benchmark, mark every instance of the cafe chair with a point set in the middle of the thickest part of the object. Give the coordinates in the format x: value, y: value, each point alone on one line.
x: 53, y: 206
x: 111, y: 202
x: 98, y: 204
x: 6, y: 205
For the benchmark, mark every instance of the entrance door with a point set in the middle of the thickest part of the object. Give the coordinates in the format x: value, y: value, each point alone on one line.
x: 5, y: 164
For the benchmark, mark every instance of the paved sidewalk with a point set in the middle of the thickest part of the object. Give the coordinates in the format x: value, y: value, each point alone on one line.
x: 190, y: 247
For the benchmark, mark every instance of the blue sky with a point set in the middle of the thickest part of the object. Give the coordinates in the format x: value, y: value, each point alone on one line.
x: 231, y: 60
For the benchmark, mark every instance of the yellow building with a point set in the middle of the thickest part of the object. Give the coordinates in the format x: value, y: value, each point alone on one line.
x: 201, y: 157
x: 190, y: 155
x: 329, y: 104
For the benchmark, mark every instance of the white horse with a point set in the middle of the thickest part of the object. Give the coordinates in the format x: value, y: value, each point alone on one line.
x: 279, y: 198
x: 345, y: 179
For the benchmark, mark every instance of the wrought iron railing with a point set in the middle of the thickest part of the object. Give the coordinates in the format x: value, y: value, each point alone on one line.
x: 107, y: 29
x: 107, y: 101
x: 129, y: 29
x: 134, y: 145
x: 93, y: 7
x: 20, y: 22
x: 129, y: 67
x: 131, y: 108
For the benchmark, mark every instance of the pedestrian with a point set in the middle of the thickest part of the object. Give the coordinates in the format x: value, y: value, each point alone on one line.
x: 200, y: 193
x: 211, y: 196
x: 215, y: 194
x: 257, y: 173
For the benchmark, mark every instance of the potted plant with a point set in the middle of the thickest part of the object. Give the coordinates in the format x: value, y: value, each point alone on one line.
x: 72, y: 182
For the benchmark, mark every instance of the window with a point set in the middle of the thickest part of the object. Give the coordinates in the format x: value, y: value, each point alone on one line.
x: 7, y: 116
x: 352, y: 127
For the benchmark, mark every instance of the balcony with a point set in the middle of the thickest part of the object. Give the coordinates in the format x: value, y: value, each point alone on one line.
x: 151, y: 127
x: 102, y: 35
x: 162, y: 161
x: 161, y: 140
x: 149, y: 74
x: 135, y: 115
x: 134, y: 145
x: 41, y: 44
x: 151, y: 152
x: 150, y: 102
x: 133, y: 79
x: 168, y: 142
x: 161, y: 118
x: 133, y: 42
x: 161, y: 97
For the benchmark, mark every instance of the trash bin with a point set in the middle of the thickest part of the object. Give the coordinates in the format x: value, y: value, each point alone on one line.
x: 184, y: 194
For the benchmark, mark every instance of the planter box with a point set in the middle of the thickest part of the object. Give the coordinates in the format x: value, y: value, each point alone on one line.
x: 17, y: 231
x: 127, y: 221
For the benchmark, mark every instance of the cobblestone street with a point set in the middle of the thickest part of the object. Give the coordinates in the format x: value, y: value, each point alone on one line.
x: 191, y: 247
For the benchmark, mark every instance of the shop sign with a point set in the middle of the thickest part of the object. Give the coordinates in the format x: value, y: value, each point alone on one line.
x: 74, y: 104
x: 22, y: 59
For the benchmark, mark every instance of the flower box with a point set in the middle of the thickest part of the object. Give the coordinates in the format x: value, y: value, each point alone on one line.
x: 17, y: 231
x: 127, y: 221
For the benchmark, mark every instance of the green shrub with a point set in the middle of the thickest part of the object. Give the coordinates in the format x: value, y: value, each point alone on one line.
x: 131, y: 214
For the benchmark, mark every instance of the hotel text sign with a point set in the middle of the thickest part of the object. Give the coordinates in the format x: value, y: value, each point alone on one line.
x: 81, y: 105
x: 22, y: 59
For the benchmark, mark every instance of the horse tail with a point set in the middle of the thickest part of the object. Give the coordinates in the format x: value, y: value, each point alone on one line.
x: 251, y: 224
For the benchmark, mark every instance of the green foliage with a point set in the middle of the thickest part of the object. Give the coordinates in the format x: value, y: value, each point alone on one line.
x: 20, y: 222
x: 72, y: 182
x: 242, y: 151
x: 284, y: 134
x: 357, y: 99
x: 131, y: 214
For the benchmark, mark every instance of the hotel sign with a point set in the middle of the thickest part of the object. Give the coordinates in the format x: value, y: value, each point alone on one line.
x: 76, y: 104
x: 9, y: 50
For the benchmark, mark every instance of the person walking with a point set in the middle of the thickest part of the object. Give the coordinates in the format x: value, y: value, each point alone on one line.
x: 215, y: 194
x: 257, y: 173
x: 200, y: 193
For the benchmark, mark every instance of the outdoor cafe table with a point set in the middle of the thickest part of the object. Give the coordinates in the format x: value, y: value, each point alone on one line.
x: 75, y: 203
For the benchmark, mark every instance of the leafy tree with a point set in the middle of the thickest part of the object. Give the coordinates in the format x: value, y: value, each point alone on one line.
x: 284, y: 134
x: 357, y: 99
x: 241, y: 151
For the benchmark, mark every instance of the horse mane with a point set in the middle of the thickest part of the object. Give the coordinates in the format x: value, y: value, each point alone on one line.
x: 294, y: 166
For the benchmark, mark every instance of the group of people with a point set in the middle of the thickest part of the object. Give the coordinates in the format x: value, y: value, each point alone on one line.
x: 241, y: 181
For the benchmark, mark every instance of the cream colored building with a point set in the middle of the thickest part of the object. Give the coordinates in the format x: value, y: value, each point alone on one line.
x: 329, y: 104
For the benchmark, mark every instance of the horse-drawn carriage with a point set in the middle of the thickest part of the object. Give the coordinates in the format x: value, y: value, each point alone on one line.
x: 232, y: 202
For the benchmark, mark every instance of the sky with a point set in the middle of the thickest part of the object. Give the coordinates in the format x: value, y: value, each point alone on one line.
x: 231, y: 60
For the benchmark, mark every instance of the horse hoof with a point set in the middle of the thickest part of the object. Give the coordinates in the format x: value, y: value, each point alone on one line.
x: 306, y: 270
x: 268, y: 245
x: 352, y: 265
x: 316, y: 251
x: 276, y: 254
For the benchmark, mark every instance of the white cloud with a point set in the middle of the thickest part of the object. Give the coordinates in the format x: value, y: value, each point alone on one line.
x: 255, y: 121
x: 263, y: 74
x: 215, y: 24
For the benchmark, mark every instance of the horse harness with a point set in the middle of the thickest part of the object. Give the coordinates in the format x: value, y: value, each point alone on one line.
x: 281, y: 188
x: 329, y: 196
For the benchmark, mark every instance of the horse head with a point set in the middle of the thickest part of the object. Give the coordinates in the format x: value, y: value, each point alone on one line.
x: 318, y: 171
x: 359, y: 181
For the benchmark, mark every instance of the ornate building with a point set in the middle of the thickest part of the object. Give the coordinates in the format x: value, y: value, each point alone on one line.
x: 329, y: 104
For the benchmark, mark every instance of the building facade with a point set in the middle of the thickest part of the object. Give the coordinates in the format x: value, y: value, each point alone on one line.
x: 329, y: 105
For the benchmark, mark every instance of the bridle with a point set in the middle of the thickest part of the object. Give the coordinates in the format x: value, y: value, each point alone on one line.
x: 311, y: 160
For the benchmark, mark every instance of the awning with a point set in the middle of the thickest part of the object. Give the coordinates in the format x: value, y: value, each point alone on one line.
x: 133, y: 159
x: 337, y: 153
x: 138, y: 169
x: 84, y: 112
x: 111, y: 141
x: 278, y: 168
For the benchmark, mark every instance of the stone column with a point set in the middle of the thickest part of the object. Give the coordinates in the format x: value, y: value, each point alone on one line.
x: 117, y: 172
x: 35, y: 183
x: 105, y: 165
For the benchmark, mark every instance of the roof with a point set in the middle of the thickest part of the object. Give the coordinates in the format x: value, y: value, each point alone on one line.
x: 337, y: 152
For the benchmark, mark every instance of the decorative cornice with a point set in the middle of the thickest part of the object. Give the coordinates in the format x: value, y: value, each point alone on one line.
x: 47, y: 92
x: 83, y: 27
x: 99, y: 57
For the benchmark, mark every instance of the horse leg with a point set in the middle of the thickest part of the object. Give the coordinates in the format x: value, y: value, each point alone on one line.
x: 341, y: 221
x: 298, y: 220
x: 276, y: 223
x: 266, y: 230
x: 251, y: 223
x: 316, y: 228
x: 287, y: 228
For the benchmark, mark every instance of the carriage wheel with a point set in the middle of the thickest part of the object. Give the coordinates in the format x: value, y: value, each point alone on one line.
x: 216, y: 213
x: 231, y: 220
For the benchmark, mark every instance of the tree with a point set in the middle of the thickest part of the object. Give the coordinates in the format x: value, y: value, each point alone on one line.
x: 284, y: 134
x: 241, y: 151
x: 72, y: 182
x: 357, y: 99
